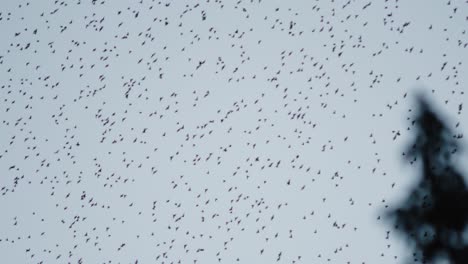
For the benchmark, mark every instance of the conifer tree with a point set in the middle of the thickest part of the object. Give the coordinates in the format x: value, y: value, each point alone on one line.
x: 434, y: 217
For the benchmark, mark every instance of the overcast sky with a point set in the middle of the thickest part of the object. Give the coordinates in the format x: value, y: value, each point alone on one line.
x: 217, y: 131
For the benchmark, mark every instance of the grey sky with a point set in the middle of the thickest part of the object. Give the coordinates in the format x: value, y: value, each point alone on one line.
x: 295, y: 78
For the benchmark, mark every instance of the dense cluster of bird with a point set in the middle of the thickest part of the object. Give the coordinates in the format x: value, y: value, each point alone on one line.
x: 215, y: 131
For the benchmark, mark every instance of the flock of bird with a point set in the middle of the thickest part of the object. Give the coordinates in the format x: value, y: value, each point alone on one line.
x: 216, y: 131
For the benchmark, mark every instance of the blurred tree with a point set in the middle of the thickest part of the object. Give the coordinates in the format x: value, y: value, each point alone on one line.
x: 434, y: 217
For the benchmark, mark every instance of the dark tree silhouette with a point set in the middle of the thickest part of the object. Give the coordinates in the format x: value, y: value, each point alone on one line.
x: 434, y: 217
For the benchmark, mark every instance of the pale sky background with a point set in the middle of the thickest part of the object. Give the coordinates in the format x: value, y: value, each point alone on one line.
x: 160, y: 125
